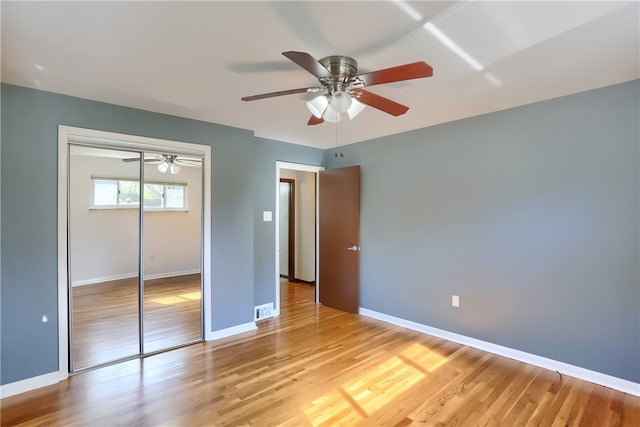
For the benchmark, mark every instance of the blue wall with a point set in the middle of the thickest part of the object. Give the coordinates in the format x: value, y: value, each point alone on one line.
x: 269, y: 152
x: 530, y: 215
x: 243, y: 185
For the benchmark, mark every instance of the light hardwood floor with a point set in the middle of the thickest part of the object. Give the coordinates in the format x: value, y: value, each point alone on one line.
x: 105, y: 317
x: 318, y: 366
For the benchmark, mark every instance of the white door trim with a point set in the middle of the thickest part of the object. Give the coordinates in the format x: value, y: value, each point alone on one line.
x: 67, y: 135
x: 303, y: 168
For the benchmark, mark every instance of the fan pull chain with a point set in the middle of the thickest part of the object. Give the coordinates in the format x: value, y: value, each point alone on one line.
x: 338, y: 123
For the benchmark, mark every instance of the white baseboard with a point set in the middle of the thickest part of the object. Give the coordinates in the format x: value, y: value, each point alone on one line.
x: 171, y: 274
x: 95, y: 280
x: 599, y: 378
x: 233, y: 330
x: 23, y: 386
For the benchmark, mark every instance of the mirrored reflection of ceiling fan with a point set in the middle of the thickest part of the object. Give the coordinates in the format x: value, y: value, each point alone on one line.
x: 338, y: 76
x: 168, y: 162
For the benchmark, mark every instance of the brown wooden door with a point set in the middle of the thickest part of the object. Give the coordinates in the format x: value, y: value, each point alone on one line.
x: 339, y: 240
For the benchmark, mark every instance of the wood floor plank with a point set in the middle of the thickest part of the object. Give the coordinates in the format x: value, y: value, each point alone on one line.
x: 314, y: 365
x: 105, y: 317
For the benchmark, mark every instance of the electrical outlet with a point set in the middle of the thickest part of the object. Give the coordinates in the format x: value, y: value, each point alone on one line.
x: 455, y: 301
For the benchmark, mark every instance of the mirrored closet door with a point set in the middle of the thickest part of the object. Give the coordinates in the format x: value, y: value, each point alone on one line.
x: 104, y: 231
x: 135, y: 286
x: 172, y: 251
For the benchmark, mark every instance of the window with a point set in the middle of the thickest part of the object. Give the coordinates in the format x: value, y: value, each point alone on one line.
x: 128, y: 193
x: 105, y: 192
x: 114, y: 193
x: 175, y: 196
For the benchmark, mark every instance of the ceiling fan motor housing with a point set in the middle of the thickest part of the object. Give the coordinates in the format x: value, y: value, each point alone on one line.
x: 342, y: 69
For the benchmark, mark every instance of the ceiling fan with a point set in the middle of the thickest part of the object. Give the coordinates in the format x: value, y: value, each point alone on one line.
x: 344, y: 87
x: 168, y: 162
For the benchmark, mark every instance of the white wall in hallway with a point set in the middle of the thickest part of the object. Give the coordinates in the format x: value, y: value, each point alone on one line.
x: 305, y: 201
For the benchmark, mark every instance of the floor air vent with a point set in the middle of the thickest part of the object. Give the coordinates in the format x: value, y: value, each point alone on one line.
x: 263, y: 311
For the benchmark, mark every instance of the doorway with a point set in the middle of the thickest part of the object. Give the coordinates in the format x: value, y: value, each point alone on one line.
x: 304, y: 212
x: 138, y: 278
x: 287, y: 220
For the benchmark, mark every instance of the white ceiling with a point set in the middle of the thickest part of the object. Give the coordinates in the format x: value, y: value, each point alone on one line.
x: 198, y: 59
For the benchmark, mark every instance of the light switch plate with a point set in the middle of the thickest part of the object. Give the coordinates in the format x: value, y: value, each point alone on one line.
x: 267, y: 216
x: 455, y: 300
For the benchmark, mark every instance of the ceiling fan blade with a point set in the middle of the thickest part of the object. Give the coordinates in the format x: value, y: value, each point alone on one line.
x: 315, y: 120
x: 415, y: 70
x: 309, y: 63
x: 137, y: 159
x: 280, y: 93
x: 188, y: 162
x: 379, y: 102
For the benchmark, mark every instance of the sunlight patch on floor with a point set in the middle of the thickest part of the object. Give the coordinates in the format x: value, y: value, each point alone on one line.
x: 168, y: 300
x: 423, y: 357
x: 177, y: 299
x: 331, y: 409
x: 193, y: 296
x: 379, y: 386
x: 371, y: 391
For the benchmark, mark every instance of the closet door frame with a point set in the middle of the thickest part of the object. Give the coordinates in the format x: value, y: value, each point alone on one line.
x: 99, y: 139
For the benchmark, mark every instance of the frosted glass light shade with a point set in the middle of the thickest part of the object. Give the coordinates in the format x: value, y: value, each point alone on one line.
x: 331, y: 116
x: 163, y: 167
x: 330, y: 108
x: 174, y: 169
x: 355, y: 109
x: 340, y: 101
x: 318, y: 105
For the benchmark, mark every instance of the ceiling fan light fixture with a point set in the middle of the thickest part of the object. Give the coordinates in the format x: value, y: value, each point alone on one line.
x: 340, y: 101
x: 318, y: 105
x: 331, y: 116
x: 355, y: 108
x: 173, y: 168
x: 163, y: 167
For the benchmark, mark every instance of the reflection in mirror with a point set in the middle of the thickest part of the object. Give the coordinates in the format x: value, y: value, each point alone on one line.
x: 172, y: 251
x: 103, y: 255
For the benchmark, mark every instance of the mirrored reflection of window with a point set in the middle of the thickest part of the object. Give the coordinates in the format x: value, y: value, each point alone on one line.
x: 125, y: 193
x: 153, y: 196
x: 128, y: 193
x: 175, y: 196
x: 105, y: 192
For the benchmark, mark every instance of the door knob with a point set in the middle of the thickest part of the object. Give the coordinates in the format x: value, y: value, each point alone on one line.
x: 353, y: 248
